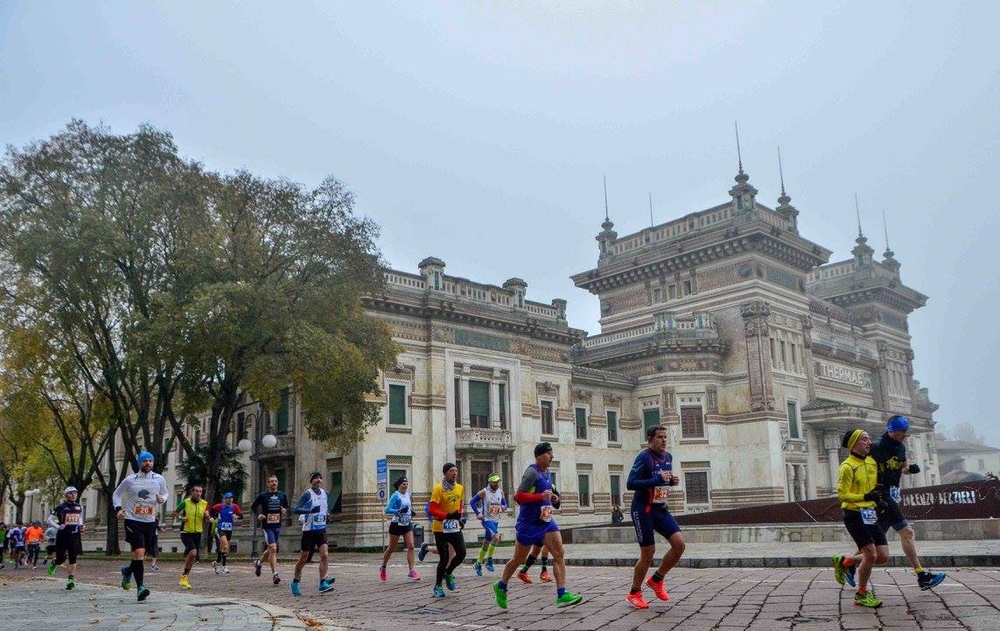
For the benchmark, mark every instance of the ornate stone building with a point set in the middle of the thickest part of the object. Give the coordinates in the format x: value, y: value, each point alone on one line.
x: 726, y: 326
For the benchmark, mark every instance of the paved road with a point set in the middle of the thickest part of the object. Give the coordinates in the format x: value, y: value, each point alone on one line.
x: 735, y: 598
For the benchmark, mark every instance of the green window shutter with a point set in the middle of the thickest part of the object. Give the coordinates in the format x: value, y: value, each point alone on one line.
x: 581, y: 423
x: 650, y: 418
x: 612, y: 426
x: 282, y: 421
x: 397, y: 405
x: 479, y: 399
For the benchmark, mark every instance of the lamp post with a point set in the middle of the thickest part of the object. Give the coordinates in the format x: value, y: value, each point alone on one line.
x: 267, y: 441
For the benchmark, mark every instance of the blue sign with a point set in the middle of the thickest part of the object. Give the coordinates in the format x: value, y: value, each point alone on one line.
x: 382, y: 471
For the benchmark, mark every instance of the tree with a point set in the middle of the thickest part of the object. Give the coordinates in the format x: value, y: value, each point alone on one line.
x: 967, y: 431
x: 230, y: 476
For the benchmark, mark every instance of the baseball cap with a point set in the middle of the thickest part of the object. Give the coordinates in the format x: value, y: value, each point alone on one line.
x: 226, y: 496
x: 493, y: 478
x: 70, y: 489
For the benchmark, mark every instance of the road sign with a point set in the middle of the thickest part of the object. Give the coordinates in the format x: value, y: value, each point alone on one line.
x: 382, y: 472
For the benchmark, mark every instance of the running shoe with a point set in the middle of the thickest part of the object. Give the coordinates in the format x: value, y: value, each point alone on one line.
x: 637, y: 601
x: 70, y: 583
x: 184, y: 582
x: 295, y: 588
x: 155, y: 567
x: 867, y: 600
x: 126, y: 577
x: 545, y: 576
x: 850, y: 576
x: 142, y: 593
x: 489, y: 565
x: 275, y: 578
x: 438, y: 591
x: 225, y: 570
x: 839, y: 571
x: 423, y: 551
x: 381, y: 573
x: 51, y: 570
x: 524, y: 577
x: 658, y: 588
x: 500, y: 595
x: 215, y: 566
x: 256, y: 567
x: 325, y: 585
x: 413, y: 576
x: 449, y: 580
x: 478, y: 567
x: 568, y: 599
x: 926, y: 580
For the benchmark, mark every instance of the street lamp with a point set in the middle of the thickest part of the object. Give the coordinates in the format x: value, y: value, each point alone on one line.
x: 31, y: 504
x: 267, y: 441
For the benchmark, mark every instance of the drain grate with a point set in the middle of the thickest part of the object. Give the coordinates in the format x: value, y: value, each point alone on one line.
x: 213, y: 604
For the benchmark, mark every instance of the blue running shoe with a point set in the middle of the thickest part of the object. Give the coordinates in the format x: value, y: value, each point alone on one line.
x: 926, y: 580
x: 850, y: 578
x: 326, y: 585
x: 423, y: 551
x: 141, y: 593
x: 449, y: 580
x: 126, y: 577
x: 295, y: 588
x: 478, y: 567
x: 438, y: 592
x: 489, y: 565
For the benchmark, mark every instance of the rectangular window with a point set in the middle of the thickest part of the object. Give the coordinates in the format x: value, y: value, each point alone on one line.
x: 696, y: 487
x: 395, y: 474
x: 672, y: 291
x: 397, y: 404
x: 612, y: 426
x: 650, y: 418
x: 241, y: 426
x: 503, y: 405
x: 657, y: 295
x: 616, y: 489
x: 793, y: 420
x: 336, y: 488
x: 283, y: 413
x: 548, y: 425
x: 687, y: 287
x: 784, y: 360
x: 479, y: 403
x: 795, y: 363
x: 982, y: 464
x: 584, y: 482
x: 581, y: 423
x: 458, y: 402
x: 437, y: 280
x: 692, y: 422
x: 280, y: 474
x: 774, y: 355
x: 554, y: 479
x: 481, y: 471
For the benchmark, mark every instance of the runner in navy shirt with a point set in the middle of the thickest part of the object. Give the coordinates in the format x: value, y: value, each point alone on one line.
x: 651, y: 478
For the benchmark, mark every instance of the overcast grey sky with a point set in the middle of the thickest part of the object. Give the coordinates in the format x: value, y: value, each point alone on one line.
x: 479, y: 132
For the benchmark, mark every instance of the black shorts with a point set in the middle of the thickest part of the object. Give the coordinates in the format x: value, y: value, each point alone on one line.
x: 656, y: 520
x: 397, y: 530
x: 191, y: 541
x: 312, y: 540
x: 68, y: 546
x: 140, y: 534
x: 862, y: 533
x: 890, y: 516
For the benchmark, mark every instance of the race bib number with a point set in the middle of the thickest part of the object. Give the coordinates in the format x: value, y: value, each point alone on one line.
x: 450, y: 525
x: 144, y: 511
x: 225, y: 525
x: 403, y: 520
x: 72, y: 519
x: 496, y: 509
x: 868, y: 516
x: 319, y: 519
x: 546, y: 513
x: 274, y: 518
x: 660, y: 494
x: 895, y: 494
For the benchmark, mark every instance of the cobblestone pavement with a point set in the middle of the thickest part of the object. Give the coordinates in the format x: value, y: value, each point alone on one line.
x: 735, y: 598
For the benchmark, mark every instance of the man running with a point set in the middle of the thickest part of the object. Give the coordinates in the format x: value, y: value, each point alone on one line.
x: 50, y: 543
x: 270, y: 507
x: 856, y: 490
x: 447, y: 500
x: 488, y: 505
x: 16, y: 539
x: 67, y: 519
x: 539, y: 552
x: 33, y: 537
x: 651, y: 478
x: 227, y: 512
x: 890, y: 454
x: 536, y: 526
x: 314, y: 506
x: 192, y: 512
x: 136, y: 500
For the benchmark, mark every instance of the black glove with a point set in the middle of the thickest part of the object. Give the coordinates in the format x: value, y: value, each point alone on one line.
x: 454, y: 515
x: 873, y: 496
x: 556, y: 502
x: 315, y: 509
x: 914, y: 468
x: 404, y: 511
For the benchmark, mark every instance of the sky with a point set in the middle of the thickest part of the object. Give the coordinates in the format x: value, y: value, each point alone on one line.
x: 479, y: 133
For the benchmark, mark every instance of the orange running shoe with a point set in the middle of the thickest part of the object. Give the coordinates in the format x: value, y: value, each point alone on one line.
x: 524, y: 577
x: 637, y: 601
x: 658, y: 589
x: 545, y: 577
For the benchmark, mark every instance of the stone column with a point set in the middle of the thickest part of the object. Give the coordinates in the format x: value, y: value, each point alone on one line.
x: 755, y: 315
x: 790, y: 481
x: 831, y: 443
x: 495, y: 400
x: 801, y: 477
x: 810, y: 484
x: 466, y: 422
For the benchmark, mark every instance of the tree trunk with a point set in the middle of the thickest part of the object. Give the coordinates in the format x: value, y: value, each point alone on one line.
x: 111, y: 547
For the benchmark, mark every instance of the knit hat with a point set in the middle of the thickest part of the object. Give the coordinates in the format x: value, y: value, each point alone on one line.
x: 144, y: 455
x: 898, y: 423
x: 542, y: 448
x: 447, y: 465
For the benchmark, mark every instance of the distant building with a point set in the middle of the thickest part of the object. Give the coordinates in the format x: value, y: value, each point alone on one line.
x: 961, y: 461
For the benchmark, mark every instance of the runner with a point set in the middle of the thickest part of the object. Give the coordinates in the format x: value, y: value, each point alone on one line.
x: 401, y: 508
x: 890, y: 454
x: 33, y: 537
x: 651, y: 478
x: 16, y: 539
x: 314, y: 506
x: 536, y: 526
x: 856, y: 490
x: 3, y: 543
x: 67, y: 519
x: 269, y: 507
x: 154, y: 546
x: 493, y: 504
x: 50, y: 543
x: 447, y: 500
x: 192, y: 512
x: 226, y: 512
x: 136, y: 500
x: 544, y: 576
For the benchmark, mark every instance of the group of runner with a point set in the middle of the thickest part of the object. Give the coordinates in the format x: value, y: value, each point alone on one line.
x: 868, y: 488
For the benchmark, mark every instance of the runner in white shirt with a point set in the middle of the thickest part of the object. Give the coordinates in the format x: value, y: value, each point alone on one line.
x: 137, y: 499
